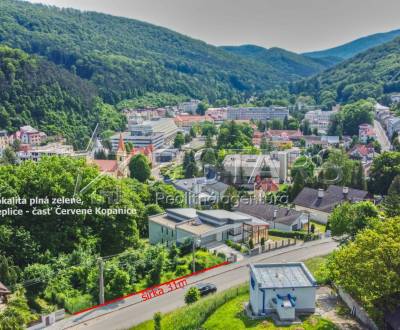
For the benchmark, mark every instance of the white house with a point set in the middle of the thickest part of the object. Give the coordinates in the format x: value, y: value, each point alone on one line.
x: 287, y: 290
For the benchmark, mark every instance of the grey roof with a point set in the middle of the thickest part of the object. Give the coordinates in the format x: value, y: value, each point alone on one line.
x: 217, y: 186
x: 223, y: 215
x: 187, y: 184
x: 308, y: 197
x: 187, y: 213
x: 266, y: 211
x: 289, y: 275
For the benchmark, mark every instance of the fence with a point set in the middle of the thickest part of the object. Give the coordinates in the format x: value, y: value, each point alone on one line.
x: 47, y: 320
x: 356, y: 310
x: 272, y: 246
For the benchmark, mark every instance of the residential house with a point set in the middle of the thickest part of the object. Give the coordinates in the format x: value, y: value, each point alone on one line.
x: 211, y: 226
x: 165, y: 155
x: 280, y: 218
x: 201, y: 191
x: 285, y: 289
x: 319, y: 203
x: 366, y: 133
x: 324, y: 140
x: 362, y: 152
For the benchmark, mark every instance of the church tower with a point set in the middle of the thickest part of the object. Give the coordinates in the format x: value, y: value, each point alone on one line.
x: 121, y: 151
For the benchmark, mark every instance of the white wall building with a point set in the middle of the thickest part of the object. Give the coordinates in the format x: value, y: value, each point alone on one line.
x: 258, y: 113
x: 285, y: 289
x: 319, y: 119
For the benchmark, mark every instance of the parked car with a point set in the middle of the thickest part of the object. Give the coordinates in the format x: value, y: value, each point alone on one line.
x: 206, y: 288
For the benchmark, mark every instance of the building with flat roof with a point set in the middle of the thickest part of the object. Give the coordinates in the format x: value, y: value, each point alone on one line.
x: 319, y: 119
x: 287, y: 290
x: 35, y: 153
x: 178, y: 225
x: 157, y: 132
x: 258, y: 113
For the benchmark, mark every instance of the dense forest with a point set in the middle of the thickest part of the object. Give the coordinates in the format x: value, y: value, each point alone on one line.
x: 292, y: 65
x: 37, y: 92
x: 125, y: 58
x: 369, y: 74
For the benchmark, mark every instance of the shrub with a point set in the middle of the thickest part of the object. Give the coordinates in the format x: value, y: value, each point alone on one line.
x: 192, y: 295
x: 262, y: 241
x: 294, y: 234
x: 157, y: 321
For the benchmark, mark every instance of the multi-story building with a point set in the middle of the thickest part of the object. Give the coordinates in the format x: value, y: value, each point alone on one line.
x: 189, y: 107
x: 157, y: 132
x: 393, y: 126
x: 319, y: 119
x: 219, y: 115
x: 366, y: 133
x: 258, y: 113
x: 186, y: 122
x: 135, y: 115
x: 35, y: 153
x: 30, y: 135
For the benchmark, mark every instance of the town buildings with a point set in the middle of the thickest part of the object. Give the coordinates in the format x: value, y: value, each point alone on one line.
x: 258, y: 113
x: 35, y: 152
x: 287, y: 290
x: 319, y: 203
x: 29, y: 135
x: 210, y: 226
x: 158, y: 132
x: 389, y: 121
x: 366, y: 133
x: 186, y: 122
x: 5, y: 141
x: 319, y: 120
x: 218, y: 115
x: 365, y: 153
x: 189, y: 107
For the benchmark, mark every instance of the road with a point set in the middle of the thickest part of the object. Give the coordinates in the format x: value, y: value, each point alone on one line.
x: 381, y: 136
x: 131, y: 311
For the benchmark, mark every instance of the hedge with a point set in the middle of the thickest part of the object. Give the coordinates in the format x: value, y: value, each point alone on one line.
x: 294, y: 234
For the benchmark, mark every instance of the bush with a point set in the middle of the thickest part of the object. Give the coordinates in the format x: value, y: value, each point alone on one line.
x: 76, y: 304
x: 294, y: 234
x: 157, y: 321
x: 233, y: 245
x: 192, y: 295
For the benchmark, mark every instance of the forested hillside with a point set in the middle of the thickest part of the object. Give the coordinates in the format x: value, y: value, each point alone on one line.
x: 37, y: 92
x: 369, y: 74
x: 355, y: 47
x: 290, y: 64
x: 125, y: 58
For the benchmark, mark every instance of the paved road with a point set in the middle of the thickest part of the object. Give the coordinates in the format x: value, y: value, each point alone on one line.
x: 131, y: 311
x: 382, y: 137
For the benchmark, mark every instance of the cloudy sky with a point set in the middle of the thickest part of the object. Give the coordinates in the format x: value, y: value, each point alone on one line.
x: 297, y: 25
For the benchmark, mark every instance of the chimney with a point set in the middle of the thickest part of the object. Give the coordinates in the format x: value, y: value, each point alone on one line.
x: 345, y: 192
x: 320, y: 193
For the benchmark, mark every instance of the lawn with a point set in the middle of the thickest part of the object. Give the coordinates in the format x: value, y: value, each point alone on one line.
x: 316, y: 267
x: 232, y: 316
x: 318, y: 227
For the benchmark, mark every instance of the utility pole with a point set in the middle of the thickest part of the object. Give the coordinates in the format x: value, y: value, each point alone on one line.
x: 196, y: 241
x: 101, y: 281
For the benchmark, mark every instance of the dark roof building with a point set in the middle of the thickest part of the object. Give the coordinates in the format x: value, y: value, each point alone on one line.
x: 327, y: 200
x: 281, y: 218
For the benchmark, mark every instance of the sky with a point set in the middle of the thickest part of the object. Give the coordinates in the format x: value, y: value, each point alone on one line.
x: 296, y: 25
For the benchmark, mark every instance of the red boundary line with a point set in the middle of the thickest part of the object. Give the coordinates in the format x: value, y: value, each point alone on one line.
x: 151, y: 287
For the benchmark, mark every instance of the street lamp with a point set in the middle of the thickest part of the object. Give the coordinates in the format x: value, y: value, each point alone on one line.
x: 196, y: 243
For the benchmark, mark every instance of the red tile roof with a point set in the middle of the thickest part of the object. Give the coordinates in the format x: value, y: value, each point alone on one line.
x: 106, y: 165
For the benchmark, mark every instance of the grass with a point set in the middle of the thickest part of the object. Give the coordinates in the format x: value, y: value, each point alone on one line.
x: 275, y: 238
x: 174, y: 172
x: 316, y: 267
x: 232, y: 316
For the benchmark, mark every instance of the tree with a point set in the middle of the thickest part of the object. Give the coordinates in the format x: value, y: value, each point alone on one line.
x: 201, y: 109
x: 229, y: 199
x: 9, y: 157
x: 349, y: 218
x: 179, y: 140
x: 139, y: 168
x: 384, y: 169
x: 17, y: 314
x: 298, y: 185
x: 192, y: 295
x: 367, y: 268
x: 391, y: 203
x: 157, y: 321
x: 305, y: 127
x: 355, y: 114
x: 358, y: 177
x: 208, y: 157
x: 277, y: 124
x: 157, y: 269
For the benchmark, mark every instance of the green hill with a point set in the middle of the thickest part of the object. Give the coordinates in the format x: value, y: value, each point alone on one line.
x: 291, y: 65
x: 372, y: 73
x: 125, y: 58
x: 355, y: 47
x: 37, y: 92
